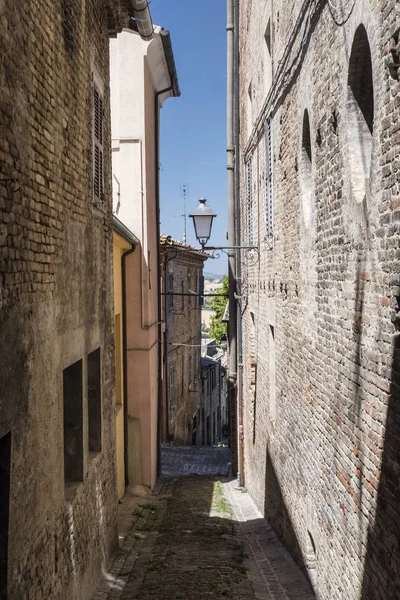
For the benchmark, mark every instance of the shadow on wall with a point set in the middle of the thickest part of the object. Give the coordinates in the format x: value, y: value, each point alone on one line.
x: 381, y: 579
x: 276, y: 513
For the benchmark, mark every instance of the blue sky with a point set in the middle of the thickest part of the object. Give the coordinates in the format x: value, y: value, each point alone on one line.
x: 193, y: 127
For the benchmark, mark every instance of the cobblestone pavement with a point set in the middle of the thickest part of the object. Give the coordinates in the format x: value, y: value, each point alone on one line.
x: 178, y: 461
x: 272, y: 571
x: 200, y: 537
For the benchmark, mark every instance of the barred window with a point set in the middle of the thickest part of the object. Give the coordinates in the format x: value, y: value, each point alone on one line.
x: 98, y: 148
x: 269, y: 199
x: 250, y: 202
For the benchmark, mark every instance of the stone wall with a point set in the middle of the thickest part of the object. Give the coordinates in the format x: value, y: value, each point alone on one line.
x: 321, y: 376
x: 182, y: 269
x: 56, y: 302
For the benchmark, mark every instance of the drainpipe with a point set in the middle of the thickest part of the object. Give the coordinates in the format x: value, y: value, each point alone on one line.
x: 239, y: 262
x: 126, y: 234
x: 232, y: 238
x: 157, y: 174
x: 141, y: 13
x: 174, y: 88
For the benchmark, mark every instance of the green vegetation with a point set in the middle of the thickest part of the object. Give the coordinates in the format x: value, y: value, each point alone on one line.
x: 219, y: 502
x: 148, y: 506
x: 218, y: 304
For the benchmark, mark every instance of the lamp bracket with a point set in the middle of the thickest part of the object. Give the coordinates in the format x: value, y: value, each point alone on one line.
x: 249, y: 250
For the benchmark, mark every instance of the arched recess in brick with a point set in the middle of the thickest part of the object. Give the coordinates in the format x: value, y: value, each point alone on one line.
x: 360, y: 113
x: 306, y: 176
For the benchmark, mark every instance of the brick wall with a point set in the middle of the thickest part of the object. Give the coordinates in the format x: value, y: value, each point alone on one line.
x: 55, y: 292
x: 182, y: 268
x: 321, y: 328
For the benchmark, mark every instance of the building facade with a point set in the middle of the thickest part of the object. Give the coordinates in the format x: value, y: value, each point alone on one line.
x: 58, y: 502
x: 319, y: 111
x: 143, y: 76
x: 181, y: 272
x: 211, y: 419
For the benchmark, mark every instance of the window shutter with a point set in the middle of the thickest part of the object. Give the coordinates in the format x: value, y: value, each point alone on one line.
x: 98, y: 151
x: 268, y: 180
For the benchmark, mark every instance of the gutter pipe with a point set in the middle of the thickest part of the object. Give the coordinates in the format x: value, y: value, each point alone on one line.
x: 132, y: 239
x: 157, y: 174
x: 170, y: 60
x: 141, y: 13
x: 232, y: 239
x: 239, y: 261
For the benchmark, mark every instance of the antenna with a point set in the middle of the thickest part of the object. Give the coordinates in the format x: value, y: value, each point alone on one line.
x: 184, y: 196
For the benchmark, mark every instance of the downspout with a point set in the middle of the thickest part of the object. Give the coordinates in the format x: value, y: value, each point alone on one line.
x: 232, y: 240
x: 174, y: 88
x: 239, y: 261
x: 124, y: 232
x: 125, y: 361
x: 157, y: 174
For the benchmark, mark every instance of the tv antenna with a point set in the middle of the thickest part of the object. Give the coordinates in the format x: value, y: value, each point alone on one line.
x: 184, y: 192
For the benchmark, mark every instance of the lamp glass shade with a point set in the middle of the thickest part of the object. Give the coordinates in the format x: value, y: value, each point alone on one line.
x: 203, y: 216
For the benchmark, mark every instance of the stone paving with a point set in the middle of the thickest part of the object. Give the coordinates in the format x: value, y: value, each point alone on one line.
x: 273, y: 573
x: 199, y: 537
x: 178, y: 461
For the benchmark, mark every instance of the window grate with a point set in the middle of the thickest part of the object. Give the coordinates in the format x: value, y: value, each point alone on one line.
x: 98, y: 136
x: 250, y: 203
x: 269, y: 199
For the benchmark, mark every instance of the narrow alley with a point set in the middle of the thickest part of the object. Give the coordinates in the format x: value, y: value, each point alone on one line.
x: 198, y: 537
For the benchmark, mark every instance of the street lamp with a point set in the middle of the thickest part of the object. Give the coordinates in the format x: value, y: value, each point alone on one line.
x: 203, y: 217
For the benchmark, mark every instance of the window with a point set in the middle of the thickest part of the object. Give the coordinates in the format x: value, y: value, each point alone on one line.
x: 170, y: 290
x: 249, y: 110
x: 213, y: 381
x: 172, y: 389
x: 271, y: 348
x: 306, y: 169
x: 269, y: 206
x: 73, y: 425
x: 5, y: 467
x: 98, y: 149
x: 360, y: 113
x: 94, y: 400
x: 189, y: 289
x: 183, y: 295
x: 268, y: 59
x: 190, y: 369
x: 249, y: 198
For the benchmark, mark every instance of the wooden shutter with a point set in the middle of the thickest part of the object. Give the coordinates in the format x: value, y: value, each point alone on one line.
x: 98, y: 150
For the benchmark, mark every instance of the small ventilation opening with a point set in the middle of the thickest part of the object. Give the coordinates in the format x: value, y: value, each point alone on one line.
x: 268, y: 58
x: 360, y: 109
x: 306, y: 168
x: 73, y: 423
x: 311, y: 560
x: 94, y: 401
x: 5, y: 467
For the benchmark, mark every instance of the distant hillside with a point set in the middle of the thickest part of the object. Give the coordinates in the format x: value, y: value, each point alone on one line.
x: 213, y: 276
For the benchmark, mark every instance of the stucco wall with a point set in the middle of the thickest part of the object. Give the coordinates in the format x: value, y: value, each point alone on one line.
x: 134, y: 203
x: 56, y: 296
x: 320, y: 316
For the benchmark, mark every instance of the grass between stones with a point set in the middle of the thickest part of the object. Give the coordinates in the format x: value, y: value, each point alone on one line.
x: 219, y: 504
